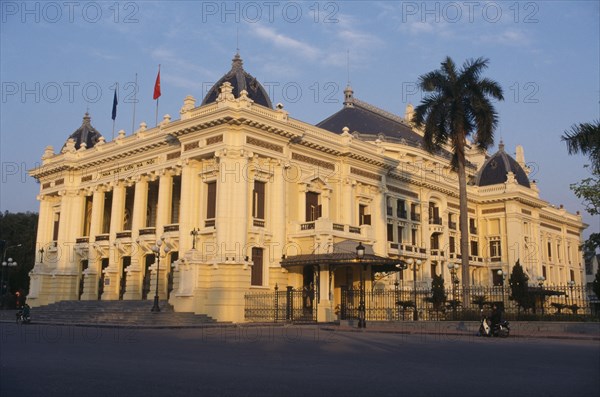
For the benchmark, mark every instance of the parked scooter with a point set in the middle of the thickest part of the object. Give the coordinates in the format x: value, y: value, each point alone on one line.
x: 23, y: 315
x: 501, y: 329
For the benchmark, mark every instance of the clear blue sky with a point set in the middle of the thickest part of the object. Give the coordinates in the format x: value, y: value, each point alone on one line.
x: 59, y: 59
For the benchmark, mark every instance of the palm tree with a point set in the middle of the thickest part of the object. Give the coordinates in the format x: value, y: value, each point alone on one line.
x: 458, y: 106
x: 585, y: 138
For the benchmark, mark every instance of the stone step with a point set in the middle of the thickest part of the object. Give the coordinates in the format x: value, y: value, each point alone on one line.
x: 119, y: 312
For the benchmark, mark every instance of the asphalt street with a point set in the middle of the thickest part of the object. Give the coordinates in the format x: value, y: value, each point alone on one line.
x: 45, y: 360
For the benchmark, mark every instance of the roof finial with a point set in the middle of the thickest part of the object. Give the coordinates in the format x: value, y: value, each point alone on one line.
x: 501, y: 145
x: 237, y: 41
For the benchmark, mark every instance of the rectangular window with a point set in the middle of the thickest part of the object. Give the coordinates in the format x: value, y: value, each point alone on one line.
x: 87, y: 216
x: 452, y: 244
x: 400, y: 233
x: 495, y: 249
x: 390, y: 232
x: 414, y: 215
x: 128, y: 215
x: 544, y: 272
x: 433, y: 269
x: 211, y: 200
x: 497, y: 278
x: 413, y: 237
x: 313, y: 209
x: 152, y: 204
x: 472, y: 226
x: 401, y: 209
x: 363, y: 216
x: 434, y: 242
x: 549, y: 250
x: 175, y: 198
x: 256, y: 277
x: 474, y: 248
x: 106, y: 212
x: 55, y: 226
x: 572, y: 274
x: 258, y: 200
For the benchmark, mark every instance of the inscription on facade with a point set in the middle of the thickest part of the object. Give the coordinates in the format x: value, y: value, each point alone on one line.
x: 492, y: 210
x: 86, y: 178
x: 558, y: 229
x: 127, y: 168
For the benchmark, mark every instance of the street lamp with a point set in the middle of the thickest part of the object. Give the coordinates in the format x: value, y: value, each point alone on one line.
x: 156, y: 250
x: 571, y: 285
x: 6, y: 264
x: 453, y: 267
x: 362, y: 321
x: 414, y: 265
x: 503, y: 277
x: 541, y: 280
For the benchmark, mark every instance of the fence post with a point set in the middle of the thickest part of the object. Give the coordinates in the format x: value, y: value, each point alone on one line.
x: 289, y: 304
x: 276, y: 302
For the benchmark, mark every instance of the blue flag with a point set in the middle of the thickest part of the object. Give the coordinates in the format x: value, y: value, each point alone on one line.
x: 114, y: 109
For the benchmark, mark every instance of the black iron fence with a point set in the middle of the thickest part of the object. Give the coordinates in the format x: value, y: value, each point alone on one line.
x: 552, y: 302
x: 288, y: 305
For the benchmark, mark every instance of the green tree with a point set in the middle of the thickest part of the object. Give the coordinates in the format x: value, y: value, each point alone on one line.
x: 596, y: 283
x: 459, y: 105
x: 438, y: 292
x: 19, y: 228
x: 585, y: 138
x: 519, y: 287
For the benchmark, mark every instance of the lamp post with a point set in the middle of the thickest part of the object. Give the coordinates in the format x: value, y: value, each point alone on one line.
x: 157, y: 254
x: 571, y: 285
x: 503, y: 276
x: 541, y: 280
x: 6, y: 264
x: 362, y: 321
x: 453, y: 267
x: 194, y: 233
x: 414, y: 265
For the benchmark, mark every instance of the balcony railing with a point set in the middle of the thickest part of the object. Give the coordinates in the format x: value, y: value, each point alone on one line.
x: 473, y: 229
x: 209, y: 223
x: 435, y: 221
x: 452, y: 225
x: 415, y: 217
x: 258, y: 222
x: 82, y: 240
x: 102, y: 237
x: 307, y: 226
x: 147, y: 230
x: 402, y: 214
x: 389, y: 211
x: 125, y: 234
x: 171, y: 228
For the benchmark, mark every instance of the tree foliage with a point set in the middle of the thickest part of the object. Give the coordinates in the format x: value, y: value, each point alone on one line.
x: 15, y: 229
x: 519, y: 287
x: 596, y: 283
x: 438, y: 292
x: 585, y: 138
x: 458, y: 105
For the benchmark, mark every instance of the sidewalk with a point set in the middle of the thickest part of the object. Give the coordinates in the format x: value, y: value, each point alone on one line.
x: 518, y: 329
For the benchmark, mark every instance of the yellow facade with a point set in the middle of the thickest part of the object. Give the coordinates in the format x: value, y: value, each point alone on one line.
x: 234, y: 186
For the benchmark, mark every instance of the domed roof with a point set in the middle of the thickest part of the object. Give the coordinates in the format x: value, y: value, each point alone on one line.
x: 240, y: 80
x: 86, y: 133
x: 496, y: 168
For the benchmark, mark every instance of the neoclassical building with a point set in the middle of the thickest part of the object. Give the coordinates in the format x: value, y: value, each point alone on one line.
x: 244, y: 197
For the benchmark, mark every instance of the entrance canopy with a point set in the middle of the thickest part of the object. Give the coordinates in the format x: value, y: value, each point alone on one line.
x: 344, y: 254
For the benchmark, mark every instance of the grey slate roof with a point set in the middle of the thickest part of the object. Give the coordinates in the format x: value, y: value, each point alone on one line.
x: 240, y: 80
x: 86, y: 133
x: 496, y: 168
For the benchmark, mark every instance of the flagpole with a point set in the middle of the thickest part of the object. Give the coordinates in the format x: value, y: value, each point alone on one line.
x: 113, y: 134
x: 157, y: 98
x: 134, y: 102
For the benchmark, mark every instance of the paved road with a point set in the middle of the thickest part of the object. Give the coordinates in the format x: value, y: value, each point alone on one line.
x: 43, y: 360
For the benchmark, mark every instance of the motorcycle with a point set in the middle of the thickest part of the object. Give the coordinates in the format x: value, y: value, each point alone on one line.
x: 23, y: 317
x: 501, y: 329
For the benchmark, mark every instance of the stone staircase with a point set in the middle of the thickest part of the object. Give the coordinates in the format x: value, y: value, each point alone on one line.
x: 116, y: 313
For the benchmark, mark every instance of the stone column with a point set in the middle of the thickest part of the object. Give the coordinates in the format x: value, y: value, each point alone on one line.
x: 190, y: 205
x: 165, y: 188
x: 111, y: 290
x: 138, y: 221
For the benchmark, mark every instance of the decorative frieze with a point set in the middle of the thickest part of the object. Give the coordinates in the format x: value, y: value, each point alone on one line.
x: 492, y: 210
x: 313, y: 161
x: 86, y: 178
x: 174, y: 155
x: 403, y: 192
x: 59, y: 182
x: 526, y: 212
x: 264, y: 144
x: 214, y: 139
x: 370, y: 175
x: 46, y: 185
x: 546, y: 225
x: 457, y: 207
x: 191, y: 145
